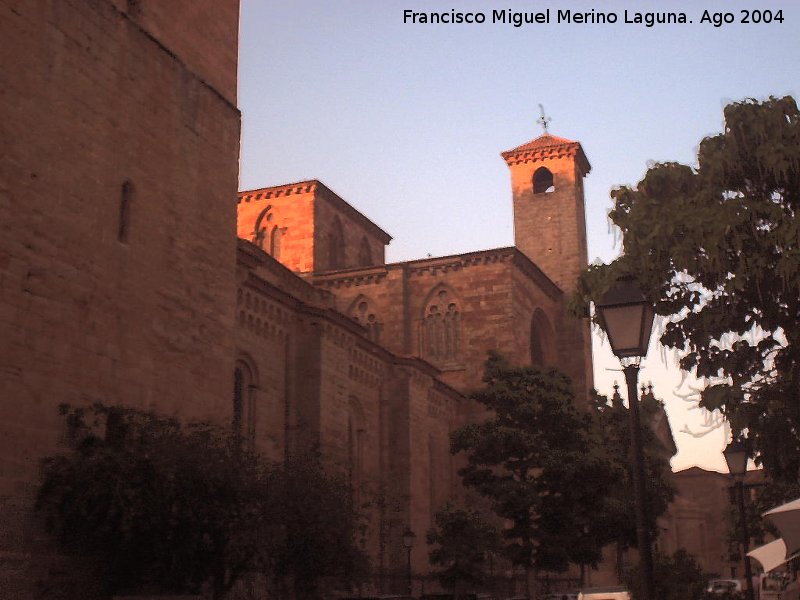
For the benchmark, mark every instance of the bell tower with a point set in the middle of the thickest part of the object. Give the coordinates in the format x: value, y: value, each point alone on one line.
x: 549, y: 221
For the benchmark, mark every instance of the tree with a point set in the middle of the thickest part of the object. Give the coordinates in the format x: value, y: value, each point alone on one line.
x: 163, y: 507
x: 535, y: 460
x: 153, y: 504
x: 319, y: 527
x: 717, y: 248
x: 677, y: 577
x: 611, y: 423
x: 463, y: 543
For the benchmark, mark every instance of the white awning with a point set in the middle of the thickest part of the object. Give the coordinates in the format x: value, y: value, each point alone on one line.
x: 772, y: 555
x: 786, y: 518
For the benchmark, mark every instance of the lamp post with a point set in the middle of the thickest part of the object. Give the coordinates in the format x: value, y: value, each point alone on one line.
x: 627, y: 318
x: 736, y: 456
x: 408, y: 543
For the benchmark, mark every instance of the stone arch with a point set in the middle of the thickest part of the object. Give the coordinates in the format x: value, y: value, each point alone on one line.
x: 542, y: 340
x: 336, y: 244
x: 275, y: 242
x: 356, y: 431
x: 441, y: 326
x: 543, y: 181
x: 245, y: 385
x: 362, y: 311
x: 261, y: 227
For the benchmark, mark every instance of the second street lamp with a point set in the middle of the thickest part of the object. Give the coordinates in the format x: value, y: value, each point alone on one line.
x: 627, y: 318
x: 736, y: 456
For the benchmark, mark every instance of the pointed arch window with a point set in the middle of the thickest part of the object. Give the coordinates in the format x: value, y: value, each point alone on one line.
x: 261, y: 228
x: 543, y: 181
x: 275, y: 242
x: 441, y: 328
x: 363, y: 313
x: 268, y: 235
x: 243, y: 419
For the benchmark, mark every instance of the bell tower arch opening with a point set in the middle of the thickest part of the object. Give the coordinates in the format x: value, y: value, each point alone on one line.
x: 549, y: 214
x: 543, y: 181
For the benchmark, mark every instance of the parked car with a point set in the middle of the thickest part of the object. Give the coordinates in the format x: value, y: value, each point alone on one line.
x: 724, y: 586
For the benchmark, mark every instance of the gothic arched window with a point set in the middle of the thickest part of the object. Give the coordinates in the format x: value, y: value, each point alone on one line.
x: 244, y: 406
x: 543, y: 181
x: 441, y: 328
x: 275, y: 242
x: 361, y: 313
x: 260, y: 233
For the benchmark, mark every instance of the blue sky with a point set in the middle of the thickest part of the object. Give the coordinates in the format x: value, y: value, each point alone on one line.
x: 406, y: 121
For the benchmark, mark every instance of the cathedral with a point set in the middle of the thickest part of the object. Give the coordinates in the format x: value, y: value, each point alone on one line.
x: 133, y: 273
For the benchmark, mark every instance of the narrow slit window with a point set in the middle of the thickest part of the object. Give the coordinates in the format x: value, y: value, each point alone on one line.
x: 125, y: 200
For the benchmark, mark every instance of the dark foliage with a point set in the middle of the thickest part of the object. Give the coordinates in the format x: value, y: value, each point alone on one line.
x: 163, y: 507
x: 677, y: 577
x: 463, y: 543
x: 611, y: 420
x: 538, y: 463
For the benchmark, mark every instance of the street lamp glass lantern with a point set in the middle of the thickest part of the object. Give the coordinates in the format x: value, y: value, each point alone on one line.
x: 627, y: 318
x: 736, y: 456
x: 408, y: 538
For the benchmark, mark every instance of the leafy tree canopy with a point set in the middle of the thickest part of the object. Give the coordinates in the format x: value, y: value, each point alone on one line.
x: 463, y: 541
x: 611, y: 422
x: 164, y: 507
x: 320, y: 529
x: 154, y: 504
x: 676, y: 577
x: 535, y: 460
x: 717, y: 248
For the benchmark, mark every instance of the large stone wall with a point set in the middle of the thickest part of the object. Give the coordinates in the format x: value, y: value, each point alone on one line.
x: 117, y: 160
x: 322, y: 384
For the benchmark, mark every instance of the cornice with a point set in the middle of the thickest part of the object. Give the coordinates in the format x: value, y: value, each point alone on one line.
x: 350, y: 277
x: 543, y: 149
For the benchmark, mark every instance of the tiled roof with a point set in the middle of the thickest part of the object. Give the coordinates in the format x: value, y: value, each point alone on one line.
x: 543, y: 141
x: 547, y: 146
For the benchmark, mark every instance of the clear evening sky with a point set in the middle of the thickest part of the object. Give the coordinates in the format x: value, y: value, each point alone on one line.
x: 406, y: 121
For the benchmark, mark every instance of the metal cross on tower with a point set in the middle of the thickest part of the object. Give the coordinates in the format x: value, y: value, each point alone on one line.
x: 543, y: 120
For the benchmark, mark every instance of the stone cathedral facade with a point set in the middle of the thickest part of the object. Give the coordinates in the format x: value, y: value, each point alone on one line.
x: 131, y: 272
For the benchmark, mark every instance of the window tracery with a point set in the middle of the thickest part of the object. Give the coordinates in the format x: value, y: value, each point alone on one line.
x: 360, y: 313
x: 442, y: 328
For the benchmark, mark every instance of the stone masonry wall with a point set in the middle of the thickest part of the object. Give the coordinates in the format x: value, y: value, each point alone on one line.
x: 116, y: 163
